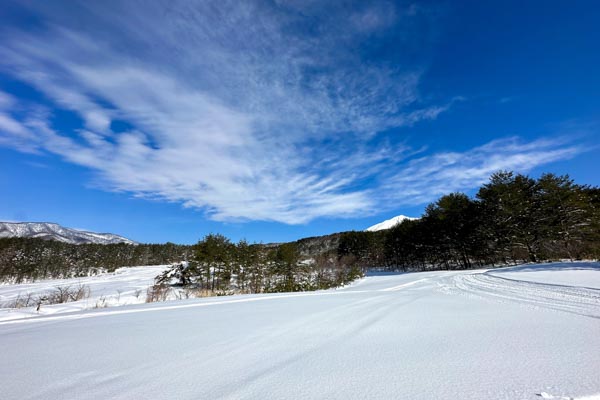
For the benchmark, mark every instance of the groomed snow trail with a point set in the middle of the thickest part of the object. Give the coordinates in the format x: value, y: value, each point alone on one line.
x: 431, y: 335
x: 576, y: 300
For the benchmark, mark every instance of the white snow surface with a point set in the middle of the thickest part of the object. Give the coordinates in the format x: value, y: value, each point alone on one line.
x: 126, y: 285
x: 583, y: 274
x: 52, y: 231
x: 388, y: 224
x: 430, y: 335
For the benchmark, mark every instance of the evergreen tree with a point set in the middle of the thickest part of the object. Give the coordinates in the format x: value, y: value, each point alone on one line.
x: 453, y: 220
x: 285, y: 265
x: 214, y: 257
x: 567, y: 214
x: 511, y: 208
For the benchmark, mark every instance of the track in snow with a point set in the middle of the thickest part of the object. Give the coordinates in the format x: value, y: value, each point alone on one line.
x: 577, y: 300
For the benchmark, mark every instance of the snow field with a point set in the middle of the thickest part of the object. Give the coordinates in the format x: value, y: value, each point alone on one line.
x: 124, y: 286
x: 430, y: 335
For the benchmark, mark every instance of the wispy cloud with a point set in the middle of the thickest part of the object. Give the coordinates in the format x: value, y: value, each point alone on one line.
x: 246, y: 110
x: 426, y: 178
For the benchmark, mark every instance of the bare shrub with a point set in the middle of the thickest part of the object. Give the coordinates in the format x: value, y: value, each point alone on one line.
x: 61, y: 294
x: 191, y: 293
x: 161, y: 292
x: 202, y: 293
x: 101, y: 302
x: 156, y: 293
x: 79, y: 292
x: 21, y: 301
x: 64, y: 294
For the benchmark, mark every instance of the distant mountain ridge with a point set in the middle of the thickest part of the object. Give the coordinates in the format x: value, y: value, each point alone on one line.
x: 390, y: 223
x: 52, y: 231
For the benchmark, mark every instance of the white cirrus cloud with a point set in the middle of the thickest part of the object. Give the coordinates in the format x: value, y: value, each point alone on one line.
x: 247, y: 110
x: 426, y: 178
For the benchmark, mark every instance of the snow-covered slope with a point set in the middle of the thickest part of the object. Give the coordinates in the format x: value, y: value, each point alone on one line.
x: 124, y: 286
x: 429, y: 335
x: 51, y: 231
x: 390, y: 223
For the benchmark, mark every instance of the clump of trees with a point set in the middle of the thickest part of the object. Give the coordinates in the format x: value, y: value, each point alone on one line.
x: 220, y: 267
x: 513, y: 218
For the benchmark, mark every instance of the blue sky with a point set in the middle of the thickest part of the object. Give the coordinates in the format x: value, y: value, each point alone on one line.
x: 272, y: 121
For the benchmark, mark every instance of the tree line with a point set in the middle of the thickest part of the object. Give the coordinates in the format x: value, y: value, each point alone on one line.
x: 214, y: 265
x: 512, y: 219
x: 28, y: 259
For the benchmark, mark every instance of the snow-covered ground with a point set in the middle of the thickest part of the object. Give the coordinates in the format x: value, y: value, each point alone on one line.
x: 583, y: 274
x: 431, y: 335
x: 124, y: 286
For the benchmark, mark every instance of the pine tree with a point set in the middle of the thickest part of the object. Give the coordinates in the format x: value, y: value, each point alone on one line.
x: 454, y: 219
x: 214, y: 256
x: 511, y: 208
x: 568, y: 215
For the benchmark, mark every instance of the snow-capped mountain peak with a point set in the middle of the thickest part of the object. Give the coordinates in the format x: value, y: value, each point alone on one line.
x: 390, y: 223
x: 52, y: 231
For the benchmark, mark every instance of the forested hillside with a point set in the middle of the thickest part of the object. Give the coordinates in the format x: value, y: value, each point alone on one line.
x: 24, y: 259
